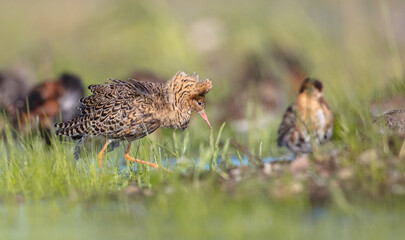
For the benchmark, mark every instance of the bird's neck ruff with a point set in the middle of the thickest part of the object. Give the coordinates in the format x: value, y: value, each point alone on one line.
x: 181, y: 89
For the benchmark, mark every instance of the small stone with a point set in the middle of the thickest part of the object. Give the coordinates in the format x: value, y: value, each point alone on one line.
x: 267, y: 169
x: 345, y: 173
x: 368, y: 156
x: 398, y: 189
x: 300, y: 164
x: 132, y: 190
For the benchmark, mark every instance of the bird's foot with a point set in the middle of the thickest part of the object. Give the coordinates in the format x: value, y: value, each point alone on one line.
x: 153, y: 165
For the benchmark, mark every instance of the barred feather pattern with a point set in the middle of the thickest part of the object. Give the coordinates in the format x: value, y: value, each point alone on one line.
x: 132, y: 109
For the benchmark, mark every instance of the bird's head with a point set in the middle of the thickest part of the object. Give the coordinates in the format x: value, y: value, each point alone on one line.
x: 311, y: 88
x: 189, y: 93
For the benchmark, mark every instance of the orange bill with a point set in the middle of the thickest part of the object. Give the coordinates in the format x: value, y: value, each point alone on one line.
x: 202, y: 114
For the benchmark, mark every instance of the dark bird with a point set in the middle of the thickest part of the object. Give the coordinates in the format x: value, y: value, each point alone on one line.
x: 306, y: 121
x: 130, y: 110
x: 73, y: 90
x: 49, y: 100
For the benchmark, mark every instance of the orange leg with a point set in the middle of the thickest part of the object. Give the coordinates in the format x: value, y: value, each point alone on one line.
x: 129, y: 158
x: 100, y: 154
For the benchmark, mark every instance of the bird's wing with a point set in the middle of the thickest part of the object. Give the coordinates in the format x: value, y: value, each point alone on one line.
x: 116, y: 90
x: 326, y: 108
x: 108, y: 109
x: 136, y: 125
x: 286, y: 124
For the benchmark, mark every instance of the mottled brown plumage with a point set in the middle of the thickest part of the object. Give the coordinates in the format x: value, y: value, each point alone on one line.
x: 394, y: 121
x: 307, y: 120
x: 129, y: 110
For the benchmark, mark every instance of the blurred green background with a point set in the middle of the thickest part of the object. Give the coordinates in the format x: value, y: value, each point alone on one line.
x: 355, y: 47
x: 338, y: 41
x: 347, y: 44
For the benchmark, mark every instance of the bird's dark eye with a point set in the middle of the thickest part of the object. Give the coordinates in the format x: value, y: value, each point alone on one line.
x: 199, y: 103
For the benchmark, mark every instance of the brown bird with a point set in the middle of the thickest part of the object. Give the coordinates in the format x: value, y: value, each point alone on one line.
x: 308, y: 120
x: 130, y: 110
x: 46, y: 101
x: 392, y: 123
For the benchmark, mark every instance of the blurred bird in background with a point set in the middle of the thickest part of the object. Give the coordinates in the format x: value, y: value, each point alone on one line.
x: 309, y: 120
x: 46, y: 102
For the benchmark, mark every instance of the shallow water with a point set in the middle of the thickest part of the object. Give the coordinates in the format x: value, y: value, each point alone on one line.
x: 234, y: 162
